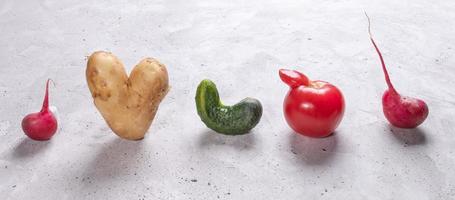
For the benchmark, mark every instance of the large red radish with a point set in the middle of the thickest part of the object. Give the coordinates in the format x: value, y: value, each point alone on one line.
x: 400, y: 111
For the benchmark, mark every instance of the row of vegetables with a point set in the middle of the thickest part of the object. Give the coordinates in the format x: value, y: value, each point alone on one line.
x: 129, y: 104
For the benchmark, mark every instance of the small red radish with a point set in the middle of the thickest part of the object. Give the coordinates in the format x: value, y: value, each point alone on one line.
x: 41, y: 125
x: 401, y: 111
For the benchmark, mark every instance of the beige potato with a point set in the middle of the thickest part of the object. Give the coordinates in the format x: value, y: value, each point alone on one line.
x: 128, y: 105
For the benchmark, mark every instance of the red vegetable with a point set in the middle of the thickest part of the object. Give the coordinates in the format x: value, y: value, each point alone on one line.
x: 41, y: 125
x: 400, y: 111
x: 311, y: 108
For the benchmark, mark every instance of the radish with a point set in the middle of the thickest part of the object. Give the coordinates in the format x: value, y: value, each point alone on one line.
x: 400, y: 111
x: 41, y: 125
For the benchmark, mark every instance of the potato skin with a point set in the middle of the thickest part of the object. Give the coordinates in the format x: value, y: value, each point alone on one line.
x: 128, y: 105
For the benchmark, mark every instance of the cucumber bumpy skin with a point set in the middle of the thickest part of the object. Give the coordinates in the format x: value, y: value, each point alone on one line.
x: 238, y: 119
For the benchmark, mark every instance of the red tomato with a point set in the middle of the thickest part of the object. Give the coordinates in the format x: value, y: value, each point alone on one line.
x: 311, y: 108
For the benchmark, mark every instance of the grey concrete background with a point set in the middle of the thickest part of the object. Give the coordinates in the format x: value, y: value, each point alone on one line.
x: 240, y: 45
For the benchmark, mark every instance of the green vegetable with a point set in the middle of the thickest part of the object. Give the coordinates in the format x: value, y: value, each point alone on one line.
x: 230, y: 120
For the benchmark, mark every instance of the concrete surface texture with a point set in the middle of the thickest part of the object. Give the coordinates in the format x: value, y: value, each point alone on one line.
x: 240, y: 45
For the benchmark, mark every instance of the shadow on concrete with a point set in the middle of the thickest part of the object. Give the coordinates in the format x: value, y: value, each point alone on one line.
x: 415, y: 136
x: 313, y: 151
x: 28, y: 147
x: 239, y: 142
x: 114, y: 158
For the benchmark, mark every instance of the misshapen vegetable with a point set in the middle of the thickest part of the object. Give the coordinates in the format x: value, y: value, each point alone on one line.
x: 230, y: 120
x: 311, y: 108
x: 400, y: 111
x: 41, y: 125
x: 128, y: 104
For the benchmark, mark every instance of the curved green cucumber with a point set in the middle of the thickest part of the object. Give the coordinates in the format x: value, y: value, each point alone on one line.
x: 230, y: 120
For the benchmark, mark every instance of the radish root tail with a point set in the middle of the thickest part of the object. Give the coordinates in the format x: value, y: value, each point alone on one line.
x: 386, y: 74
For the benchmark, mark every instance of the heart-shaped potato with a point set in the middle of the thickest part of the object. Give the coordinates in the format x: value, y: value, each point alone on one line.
x: 127, y: 104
